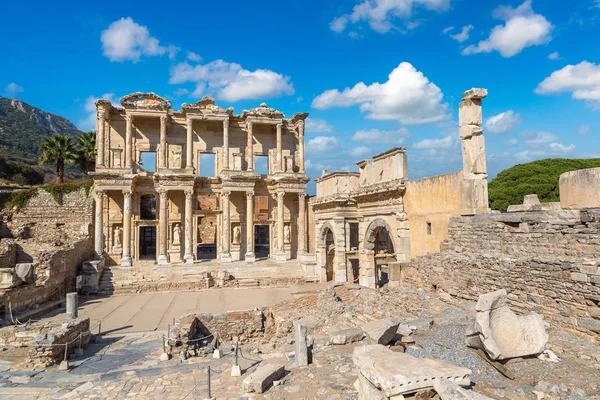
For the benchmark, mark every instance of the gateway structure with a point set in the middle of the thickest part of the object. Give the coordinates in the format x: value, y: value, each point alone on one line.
x: 176, y: 186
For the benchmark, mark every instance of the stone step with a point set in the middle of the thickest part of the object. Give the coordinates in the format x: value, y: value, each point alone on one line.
x: 248, y: 283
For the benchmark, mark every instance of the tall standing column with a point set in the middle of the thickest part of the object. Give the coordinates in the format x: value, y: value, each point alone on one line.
x: 279, y: 155
x: 301, y: 223
x: 126, y: 257
x: 250, y: 258
x: 250, y: 148
x: 280, y: 256
x: 162, y: 156
x: 99, y: 226
x: 128, y: 149
x: 188, y: 256
x: 301, y: 146
x: 226, y: 240
x: 100, y: 137
x: 162, y: 226
x: 226, y: 143
x: 188, y: 144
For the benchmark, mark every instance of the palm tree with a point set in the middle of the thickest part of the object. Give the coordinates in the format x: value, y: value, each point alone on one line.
x: 56, y: 150
x: 85, y: 152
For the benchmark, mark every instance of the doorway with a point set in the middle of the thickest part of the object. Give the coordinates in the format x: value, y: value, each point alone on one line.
x: 261, y: 241
x: 147, y: 242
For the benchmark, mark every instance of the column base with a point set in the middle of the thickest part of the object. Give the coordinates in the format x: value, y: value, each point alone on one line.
x: 126, y: 261
x: 188, y: 259
x: 281, y: 257
x: 226, y: 259
x: 250, y: 258
x: 162, y: 261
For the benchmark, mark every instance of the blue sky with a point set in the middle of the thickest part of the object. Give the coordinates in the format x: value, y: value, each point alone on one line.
x: 373, y: 73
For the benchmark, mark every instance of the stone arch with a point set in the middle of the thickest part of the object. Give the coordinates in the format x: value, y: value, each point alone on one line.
x: 326, y: 252
x: 322, y: 237
x: 371, y: 234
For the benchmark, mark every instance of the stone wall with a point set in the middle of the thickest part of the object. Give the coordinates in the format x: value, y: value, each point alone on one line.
x: 48, y: 349
x: 548, y: 261
x: 579, y: 189
x: 8, y: 253
x: 232, y: 325
x: 429, y: 203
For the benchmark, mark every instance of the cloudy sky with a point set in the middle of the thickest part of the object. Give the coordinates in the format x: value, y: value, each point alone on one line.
x: 373, y: 74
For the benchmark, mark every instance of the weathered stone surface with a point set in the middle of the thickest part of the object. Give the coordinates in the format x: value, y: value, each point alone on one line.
x: 380, y: 331
x: 469, y: 112
x: 579, y: 189
x: 468, y: 131
x: 25, y: 272
x: 366, y: 390
x: 263, y: 377
x: 72, y: 305
x: 398, y: 373
x: 450, y: 391
x: 346, y: 336
x: 501, y: 333
x: 475, y: 93
x: 301, y: 345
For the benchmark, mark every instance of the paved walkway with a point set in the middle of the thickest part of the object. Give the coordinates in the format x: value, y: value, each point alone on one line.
x: 145, y: 312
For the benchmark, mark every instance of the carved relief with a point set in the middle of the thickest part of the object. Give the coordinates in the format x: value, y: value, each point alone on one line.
x: 141, y: 100
x: 175, y: 152
x: 116, y: 158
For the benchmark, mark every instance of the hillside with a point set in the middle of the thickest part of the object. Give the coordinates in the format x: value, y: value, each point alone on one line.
x: 22, y: 128
x: 537, y: 177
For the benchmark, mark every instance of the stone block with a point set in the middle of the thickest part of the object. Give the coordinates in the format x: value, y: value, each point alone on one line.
x: 301, y: 345
x: 346, y: 336
x: 475, y: 93
x: 469, y: 112
x: 395, y: 271
x: 469, y: 131
x: 579, y: 277
x: 399, y: 373
x: 474, y: 196
x: 25, y: 272
x: 366, y: 390
x: 263, y: 377
x: 473, y: 152
x: 448, y: 390
x: 8, y: 278
x: 380, y: 331
x: 531, y: 199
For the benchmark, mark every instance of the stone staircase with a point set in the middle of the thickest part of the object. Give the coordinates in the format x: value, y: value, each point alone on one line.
x: 106, y: 286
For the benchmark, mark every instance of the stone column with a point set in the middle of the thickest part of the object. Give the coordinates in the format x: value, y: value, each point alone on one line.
x: 128, y: 149
x: 162, y: 227
x: 188, y: 256
x: 226, y: 239
x: 250, y: 148
x: 226, y: 143
x: 100, y: 137
x: 126, y: 257
x: 301, y: 223
x: 280, y: 255
x: 301, y: 146
x: 72, y: 305
x: 188, y: 144
x: 99, y: 226
x: 301, y: 344
x: 250, y: 257
x: 162, y: 156
x: 279, y: 155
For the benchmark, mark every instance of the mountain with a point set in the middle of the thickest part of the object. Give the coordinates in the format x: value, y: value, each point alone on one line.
x: 22, y: 128
x: 537, y: 177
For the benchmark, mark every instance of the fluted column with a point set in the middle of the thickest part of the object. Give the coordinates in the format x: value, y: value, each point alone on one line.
x: 100, y: 137
x: 162, y: 156
x: 250, y: 258
x: 188, y: 256
x: 99, y: 225
x: 188, y: 145
x: 280, y: 221
x: 250, y: 148
x: 279, y: 155
x: 162, y: 227
x: 126, y: 257
x: 226, y: 240
x: 301, y: 146
x: 226, y: 143
x: 128, y: 149
x: 301, y: 223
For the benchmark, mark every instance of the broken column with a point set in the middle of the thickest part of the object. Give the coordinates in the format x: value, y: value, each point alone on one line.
x: 474, y: 193
x: 72, y: 304
x: 301, y: 345
x: 501, y: 333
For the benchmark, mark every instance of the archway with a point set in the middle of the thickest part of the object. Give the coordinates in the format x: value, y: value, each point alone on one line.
x: 326, y: 252
x: 330, y: 254
x: 380, y: 250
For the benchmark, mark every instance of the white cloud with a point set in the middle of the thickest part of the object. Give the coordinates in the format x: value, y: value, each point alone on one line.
x: 584, y: 129
x: 511, y: 142
x: 553, y: 149
x: 523, y: 28
x: 125, y: 40
x: 463, y: 35
x: 231, y: 82
x: 503, y: 122
x: 181, y: 91
x: 583, y: 80
x: 554, y: 56
x: 12, y: 89
x: 89, y: 122
x: 447, y: 142
x: 193, y: 56
x: 318, y: 125
x: 383, y: 15
x: 446, y: 30
x: 407, y: 96
x: 360, y: 151
x: 391, y: 137
x: 539, y: 137
x: 323, y: 144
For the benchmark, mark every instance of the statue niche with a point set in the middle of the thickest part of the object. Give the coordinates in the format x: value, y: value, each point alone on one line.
x: 175, y: 152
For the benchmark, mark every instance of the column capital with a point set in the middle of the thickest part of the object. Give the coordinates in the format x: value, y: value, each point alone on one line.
x: 279, y: 125
x: 129, y: 117
x: 163, y: 119
x: 226, y: 122
x: 249, y: 195
x: 102, y: 113
x: 100, y: 193
x: 280, y: 194
x: 249, y: 125
x: 189, y: 193
x: 226, y: 193
x: 127, y: 194
x: 300, y: 126
x: 163, y: 193
x: 301, y: 195
x: 189, y: 120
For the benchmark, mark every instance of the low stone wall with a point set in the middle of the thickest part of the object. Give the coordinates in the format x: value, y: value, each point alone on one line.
x: 548, y: 261
x: 242, y: 325
x: 8, y: 253
x: 48, y: 348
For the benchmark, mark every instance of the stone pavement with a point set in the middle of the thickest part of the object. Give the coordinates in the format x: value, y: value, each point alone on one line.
x: 146, y: 312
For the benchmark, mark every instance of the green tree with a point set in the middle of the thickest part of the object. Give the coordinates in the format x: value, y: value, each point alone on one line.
x: 56, y: 150
x: 85, y: 152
